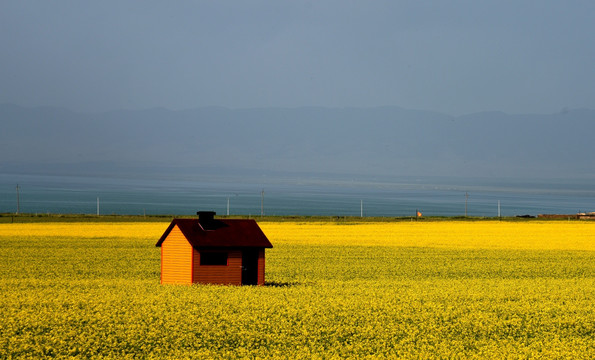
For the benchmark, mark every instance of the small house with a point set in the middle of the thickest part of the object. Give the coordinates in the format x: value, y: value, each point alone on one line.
x: 213, y: 251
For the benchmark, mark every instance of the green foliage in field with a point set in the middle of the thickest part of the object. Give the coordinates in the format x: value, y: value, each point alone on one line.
x: 100, y: 297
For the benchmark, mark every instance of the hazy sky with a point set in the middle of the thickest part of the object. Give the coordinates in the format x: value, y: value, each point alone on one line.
x: 451, y: 56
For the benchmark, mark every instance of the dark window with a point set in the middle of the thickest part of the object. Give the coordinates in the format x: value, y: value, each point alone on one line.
x: 213, y: 258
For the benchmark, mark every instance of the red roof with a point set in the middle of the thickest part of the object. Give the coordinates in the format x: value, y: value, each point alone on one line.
x: 219, y: 233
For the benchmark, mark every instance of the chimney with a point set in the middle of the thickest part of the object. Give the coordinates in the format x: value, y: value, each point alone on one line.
x: 207, y: 222
x: 205, y: 216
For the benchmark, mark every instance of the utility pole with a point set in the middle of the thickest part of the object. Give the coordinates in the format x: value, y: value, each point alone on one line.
x: 361, y: 208
x: 262, y: 203
x: 18, y: 200
x: 466, y: 197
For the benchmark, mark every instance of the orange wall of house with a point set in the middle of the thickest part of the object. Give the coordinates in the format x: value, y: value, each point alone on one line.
x: 219, y: 274
x: 176, y: 259
x: 261, y: 267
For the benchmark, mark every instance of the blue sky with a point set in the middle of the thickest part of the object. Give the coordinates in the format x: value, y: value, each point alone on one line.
x: 455, y: 57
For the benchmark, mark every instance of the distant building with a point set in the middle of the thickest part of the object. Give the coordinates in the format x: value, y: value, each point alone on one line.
x: 211, y: 251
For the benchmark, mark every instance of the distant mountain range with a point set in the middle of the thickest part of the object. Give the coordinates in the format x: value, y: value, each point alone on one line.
x: 380, y: 141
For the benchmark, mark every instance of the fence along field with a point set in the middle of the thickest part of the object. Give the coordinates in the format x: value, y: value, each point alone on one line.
x: 383, y: 290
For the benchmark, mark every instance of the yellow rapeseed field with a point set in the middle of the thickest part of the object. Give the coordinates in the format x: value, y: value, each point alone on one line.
x: 84, y: 230
x: 335, y: 290
x: 535, y: 235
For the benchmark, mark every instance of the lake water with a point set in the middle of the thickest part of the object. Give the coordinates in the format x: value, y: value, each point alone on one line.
x: 293, y: 196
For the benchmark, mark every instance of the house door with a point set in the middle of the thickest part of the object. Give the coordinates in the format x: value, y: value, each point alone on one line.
x: 250, y: 267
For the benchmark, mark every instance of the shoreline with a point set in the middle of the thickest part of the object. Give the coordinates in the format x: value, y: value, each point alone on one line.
x: 37, y: 218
